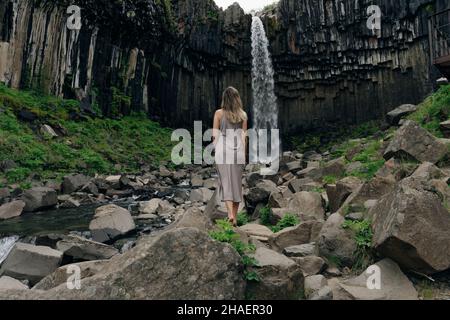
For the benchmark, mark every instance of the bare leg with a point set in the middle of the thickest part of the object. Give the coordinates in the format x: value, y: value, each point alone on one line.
x: 235, y: 211
x: 230, y: 209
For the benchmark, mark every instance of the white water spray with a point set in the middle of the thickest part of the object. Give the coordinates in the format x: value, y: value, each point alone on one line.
x: 6, y: 244
x: 265, y: 108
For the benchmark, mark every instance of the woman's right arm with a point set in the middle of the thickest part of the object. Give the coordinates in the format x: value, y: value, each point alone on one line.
x: 216, y: 127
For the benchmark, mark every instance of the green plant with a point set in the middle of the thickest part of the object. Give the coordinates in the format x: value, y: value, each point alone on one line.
x: 265, y: 215
x: 329, y: 180
x: 225, y: 233
x: 363, y: 238
x: 242, y: 219
x: 289, y: 220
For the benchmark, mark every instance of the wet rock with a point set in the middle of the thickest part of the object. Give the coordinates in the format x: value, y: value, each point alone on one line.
x: 407, y: 225
x: 394, y: 117
x: 29, y: 262
x: 280, y: 278
x: 417, y: 143
x: 394, y: 285
x: 149, y: 207
x: 39, y: 199
x: 81, y: 249
x: 11, y: 210
x: 110, y: 222
x: 74, y: 183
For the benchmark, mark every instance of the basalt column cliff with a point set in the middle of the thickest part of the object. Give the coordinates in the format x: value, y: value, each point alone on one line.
x: 172, y: 59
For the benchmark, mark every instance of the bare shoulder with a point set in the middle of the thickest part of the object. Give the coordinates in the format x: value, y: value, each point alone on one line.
x: 219, y: 113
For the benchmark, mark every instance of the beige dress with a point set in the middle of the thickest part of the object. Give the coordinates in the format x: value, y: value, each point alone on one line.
x: 230, y: 161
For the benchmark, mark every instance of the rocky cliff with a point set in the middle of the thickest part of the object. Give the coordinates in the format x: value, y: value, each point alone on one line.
x: 174, y: 58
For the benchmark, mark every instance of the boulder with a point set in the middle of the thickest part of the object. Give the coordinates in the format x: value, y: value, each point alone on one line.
x: 48, y: 131
x: 81, y: 249
x: 428, y: 171
x: 260, y: 193
x: 334, y: 168
x: 294, y: 166
x: 304, y: 233
x: 337, y: 194
x: 60, y: 276
x: 74, y: 183
x: 201, y: 195
x: 308, y: 203
x: 29, y: 262
x: 4, y: 194
x: 253, y: 179
x: 313, y: 284
x: 335, y: 242
x: 256, y: 230
x: 196, y: 181
x: 417, y: 143
x: 279, y: 199
x: 311, y: 265
x: 195, y: 218
x: 39, y: 199
x: 302, y: 250
x: 394, y: 285
x: 110, y: 222
x: 8, y: 283
x: 394, y: 116
x: 195, y: 266
x: 280, y: 278
x: 12, y: 209
x: 407, y: 225
x: 215, y: 208
x: 445, y: 128
x: 325, y: 293
x: 149, y: 207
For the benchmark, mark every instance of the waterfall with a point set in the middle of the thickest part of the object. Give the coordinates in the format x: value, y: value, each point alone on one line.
x: 265, y: 108
x: 6, y: 244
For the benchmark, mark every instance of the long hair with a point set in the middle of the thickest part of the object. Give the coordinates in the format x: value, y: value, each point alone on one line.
x: 232, y: 106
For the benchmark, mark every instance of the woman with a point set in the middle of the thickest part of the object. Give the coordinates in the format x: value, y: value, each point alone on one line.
x: 230, y: 129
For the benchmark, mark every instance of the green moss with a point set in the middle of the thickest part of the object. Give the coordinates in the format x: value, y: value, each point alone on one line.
x: 371, y: 159
x: 91, y: 146
x: 434, y: 110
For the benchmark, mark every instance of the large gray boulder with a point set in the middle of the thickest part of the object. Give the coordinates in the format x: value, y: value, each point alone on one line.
x: 11, y: 209
x: 309, y: 204
x: 335, y: 242
x: 337, y: 194
x: 201, y: 195
x: 280, y: 278
x: 411, y: 226
x: 394, y: 116
x: 39, y: 198
x: 260, y: 193
x: 306, y: 232
x: 8, y: 283
x: 195, y: 218
x: 415, y: 142
x: 110, y: 222
x: 83, y: 249
x: 394, y: 285
x: 180, y: 264
x: 29, y: 262
x: 74, y: 183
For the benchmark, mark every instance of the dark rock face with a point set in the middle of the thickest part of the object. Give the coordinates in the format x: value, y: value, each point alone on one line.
x: 174, y: 60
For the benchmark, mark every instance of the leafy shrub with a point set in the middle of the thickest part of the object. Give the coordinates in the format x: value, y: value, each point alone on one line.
x: 265, y: 215
x: 242, y: 219
x: 363, y: 238
x: 289, y: 220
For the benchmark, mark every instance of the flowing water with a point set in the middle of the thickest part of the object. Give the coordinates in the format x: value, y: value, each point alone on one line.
x: 265, y: 107
x: 6, y: 244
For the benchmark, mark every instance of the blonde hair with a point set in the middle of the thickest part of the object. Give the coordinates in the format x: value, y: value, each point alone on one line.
x: 232, y: 106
